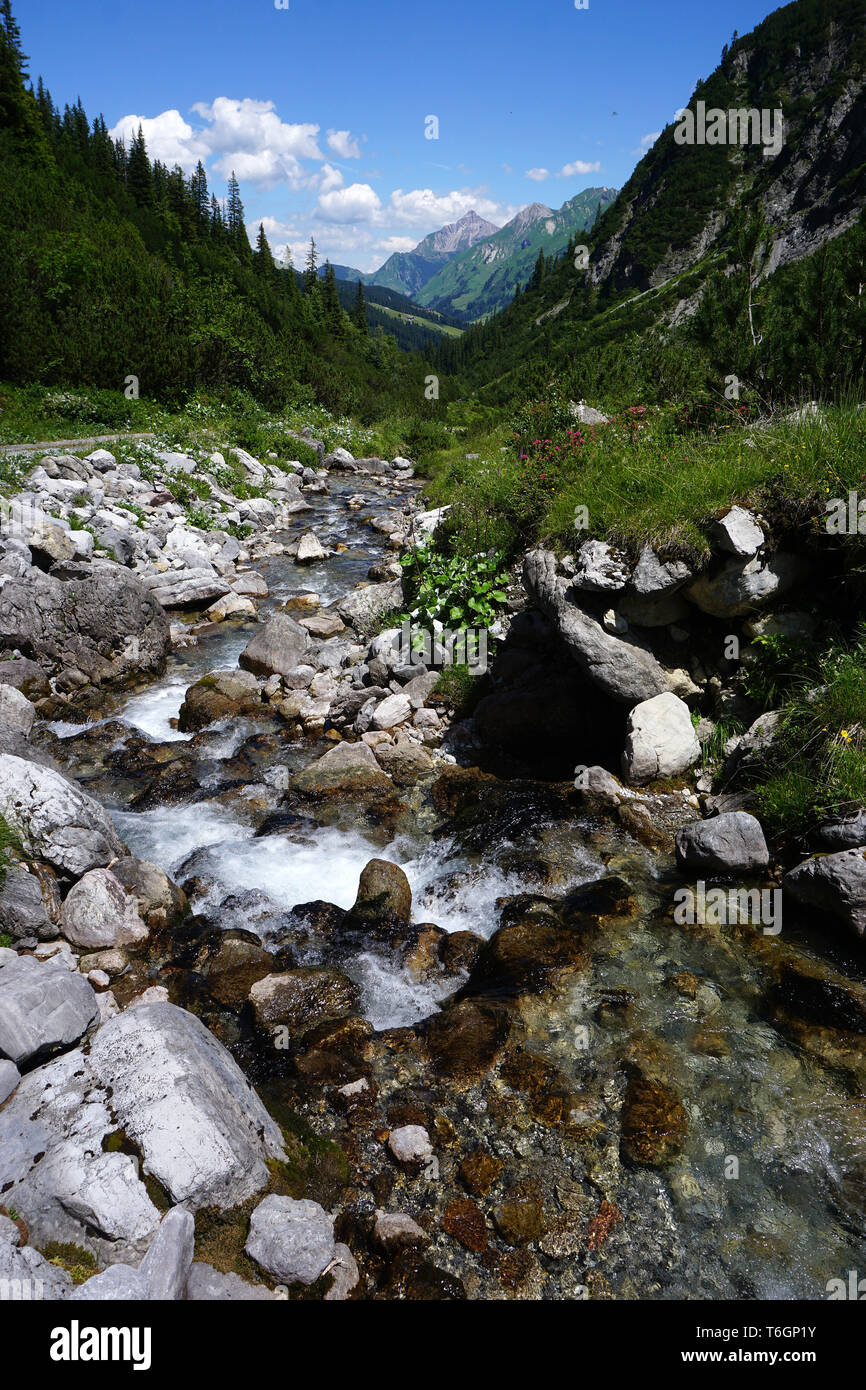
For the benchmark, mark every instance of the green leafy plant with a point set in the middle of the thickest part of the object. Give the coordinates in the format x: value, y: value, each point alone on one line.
x: 454, y: 590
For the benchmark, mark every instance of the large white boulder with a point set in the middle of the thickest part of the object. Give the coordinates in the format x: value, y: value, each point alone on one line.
x: 98, y: 913
x: 54, y: 819
x: 660, y: 740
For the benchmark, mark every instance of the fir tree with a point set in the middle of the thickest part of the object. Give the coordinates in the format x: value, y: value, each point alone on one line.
x: 359, y: 313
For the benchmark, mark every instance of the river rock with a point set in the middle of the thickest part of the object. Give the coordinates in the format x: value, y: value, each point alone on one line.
x: 292, y: 1240
x: 22, y: 906
x: 157, y: 899
x: 98, y: 913
x: 220, y: 695
x: 392, y: 711
x: 54, y: 819
x: 302, y: 999
x: 730, y: 843
x: 43, y: 1009
x: 654, y: 1123
x: 236, y: 967
x: 176, y: 1091
x: 310, y: 549
x: 410, y: 1145
x: 621, y: 666
x: 832, y: 883
x: 16, y: 711
x: 26, y: 676
x: 347, y: 769
x: 361, y: 607
x: 383, y: 905
x: 101, y: 622
x: 660, y: 741
x: 277, y: 649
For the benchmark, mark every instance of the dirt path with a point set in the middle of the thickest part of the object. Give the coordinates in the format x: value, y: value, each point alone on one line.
x: 46, y: 445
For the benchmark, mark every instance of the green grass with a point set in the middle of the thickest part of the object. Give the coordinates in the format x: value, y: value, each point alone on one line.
x: 648, y: 476
x: 818, y: 764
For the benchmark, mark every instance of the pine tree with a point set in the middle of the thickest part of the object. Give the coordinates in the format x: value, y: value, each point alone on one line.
x: 139, y: 179
x: 359, y: 313
x: 235, y: 217
x: 264, y: 261
x: 331, y: 300
x: 311, y: 270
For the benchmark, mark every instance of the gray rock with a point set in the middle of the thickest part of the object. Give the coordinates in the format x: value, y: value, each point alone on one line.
x: 100, y: 621
x: 16, y: 711
x: 653, y: 598
x: 292, y: 1240
x: 43, y: 1009
x: 347, y: 1276
x: 410, y: 1144
x: 99, y: 914
x: 55, y: 820
x: 601, y: 568
x: 737, y: 532
x: 9, y: 1078
x: 743, y: 585
x: 832, y: 883
x: 22, y: 907
x: 392, y: 711
x: 729, y: 843
x: 117, y: 1284
x: 53, y: 1169
x: 176, y: 1091
x: 208, y: 1285
x: 310, y: 549
x: 25, y: 1275
x: 660, y: 739
x: 623, y: 667
x: 364, y: 605
x: 167, y: 1264
x: 278, y: 648
x: 843, y: 834
x: 191, y: 588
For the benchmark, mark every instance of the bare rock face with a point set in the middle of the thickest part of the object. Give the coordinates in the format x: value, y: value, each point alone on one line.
x: 621, y: 666
x: 99, y: 621
x: 743, y: 586
x: 55, y: 820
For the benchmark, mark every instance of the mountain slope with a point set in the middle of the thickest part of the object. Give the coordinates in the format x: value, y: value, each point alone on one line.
x: 758, y: 264
x: 483, y: 278
x: 407, y: 272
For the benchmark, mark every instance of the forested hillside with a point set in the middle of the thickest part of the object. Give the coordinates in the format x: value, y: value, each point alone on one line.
x: 113, y: 265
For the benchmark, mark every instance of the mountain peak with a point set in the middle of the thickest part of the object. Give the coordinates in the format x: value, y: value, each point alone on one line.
x: 457, y: 235
x: 528, y: 215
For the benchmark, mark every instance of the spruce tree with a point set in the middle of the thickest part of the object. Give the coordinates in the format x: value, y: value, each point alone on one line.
x: 139, y: 179
x: 359, y: 313
x: 331, y: 300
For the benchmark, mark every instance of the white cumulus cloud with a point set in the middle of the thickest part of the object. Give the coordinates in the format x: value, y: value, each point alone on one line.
x: 169, y: 138
x: 421, y: 207
x: 539, y: 175
x: 356, y: 203
x: 344, y: 144
x: 646, y: 142
x: 580, y: 166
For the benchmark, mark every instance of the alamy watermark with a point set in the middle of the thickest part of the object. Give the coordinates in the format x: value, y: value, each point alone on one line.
x: 440, y: 647
x: 739, y: 126
x: 719, y: 907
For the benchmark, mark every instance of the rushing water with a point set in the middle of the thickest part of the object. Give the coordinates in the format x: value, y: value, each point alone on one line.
x: 767, y: 1199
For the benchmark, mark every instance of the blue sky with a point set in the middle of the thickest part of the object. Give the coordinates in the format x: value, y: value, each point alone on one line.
x: 321, y: 107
